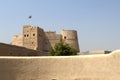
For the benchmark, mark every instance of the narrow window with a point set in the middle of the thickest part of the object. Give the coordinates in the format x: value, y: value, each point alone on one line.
x: 33, y: 34
x: 64, y: 37
x: 27, y: 35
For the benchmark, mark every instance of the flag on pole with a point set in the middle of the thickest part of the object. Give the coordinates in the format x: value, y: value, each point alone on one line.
x: 30, y: 17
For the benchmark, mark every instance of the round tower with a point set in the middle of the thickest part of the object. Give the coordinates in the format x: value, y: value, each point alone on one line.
x: 71, y: 38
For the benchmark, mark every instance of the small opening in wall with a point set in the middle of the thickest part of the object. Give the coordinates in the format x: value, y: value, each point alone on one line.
x: 32, y: 42
x: 27, y: 35
x: 33, y: 34
x: 64, y: 37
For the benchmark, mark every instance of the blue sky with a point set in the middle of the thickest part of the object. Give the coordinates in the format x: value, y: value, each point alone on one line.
x: 96, y: 21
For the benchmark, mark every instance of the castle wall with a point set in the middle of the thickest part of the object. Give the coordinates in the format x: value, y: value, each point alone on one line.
x: 11, y: 50
x: 87, y: 67
x: 51, y: 39
x: 70, y: 37
x: 17, y: 40
x: 41, y: 39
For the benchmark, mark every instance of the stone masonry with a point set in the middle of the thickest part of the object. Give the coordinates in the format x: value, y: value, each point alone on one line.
x: 34, y: 37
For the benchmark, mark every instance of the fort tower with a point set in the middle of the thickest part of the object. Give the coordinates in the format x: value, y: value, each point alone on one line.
x: 70, y: 37
x: 33, y: 37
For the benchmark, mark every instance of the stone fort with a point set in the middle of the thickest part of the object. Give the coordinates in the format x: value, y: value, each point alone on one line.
x: 34, y: 37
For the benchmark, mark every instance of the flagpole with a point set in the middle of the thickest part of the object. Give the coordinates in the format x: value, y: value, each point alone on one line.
x: 29, y: 17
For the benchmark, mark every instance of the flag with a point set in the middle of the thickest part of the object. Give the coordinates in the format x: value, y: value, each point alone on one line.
x: 30, y: 17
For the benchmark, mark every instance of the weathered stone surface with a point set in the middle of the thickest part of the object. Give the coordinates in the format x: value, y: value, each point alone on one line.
x: 86, y: 67
x: 34, y: 37
x: 12, y: 50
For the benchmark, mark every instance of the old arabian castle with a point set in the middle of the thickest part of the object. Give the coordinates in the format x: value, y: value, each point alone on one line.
x: 37, y: 39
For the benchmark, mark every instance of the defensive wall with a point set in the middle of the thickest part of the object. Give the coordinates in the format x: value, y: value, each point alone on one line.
x: 84, y: 67
x: 12, y: 50
x: 17, y: 40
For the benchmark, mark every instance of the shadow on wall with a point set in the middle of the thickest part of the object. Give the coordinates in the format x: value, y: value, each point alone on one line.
x: 11, y: 50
